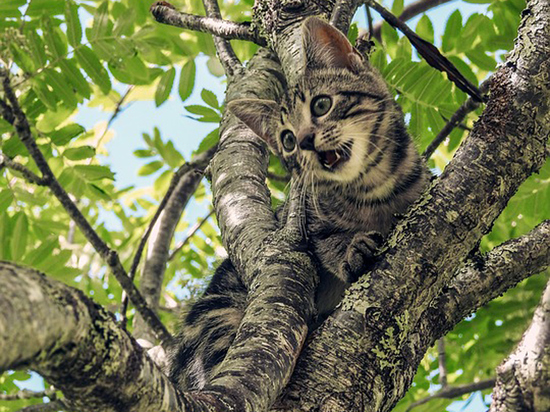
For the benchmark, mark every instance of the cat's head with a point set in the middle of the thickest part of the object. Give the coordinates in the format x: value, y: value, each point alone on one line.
x: 325, y: 123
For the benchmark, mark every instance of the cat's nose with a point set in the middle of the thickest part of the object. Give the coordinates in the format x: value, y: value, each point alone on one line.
x: 307, y: 142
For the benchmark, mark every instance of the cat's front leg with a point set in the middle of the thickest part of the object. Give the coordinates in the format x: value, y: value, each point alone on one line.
x: 360, y: 254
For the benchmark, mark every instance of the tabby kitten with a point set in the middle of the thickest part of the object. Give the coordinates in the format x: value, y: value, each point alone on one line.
x: 342, y: 136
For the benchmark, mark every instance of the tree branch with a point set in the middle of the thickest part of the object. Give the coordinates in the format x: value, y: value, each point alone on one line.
x: 522, y: 379
x: 410, y: 11
x: 5, y: 161
x: 165, y: 13
x: 190, y: 234
x: 383, y: 321
x: 429, y: 52
x: 185, y: 172
x: 23, y: 129
x: 226, y: 54
x: 62, y: 334
x: 159, y: 246
x: 484, y: 278
x: 450, y: 392
x: 456, y: 119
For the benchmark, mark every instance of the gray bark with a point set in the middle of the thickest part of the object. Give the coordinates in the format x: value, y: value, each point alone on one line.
x: 523, y: 379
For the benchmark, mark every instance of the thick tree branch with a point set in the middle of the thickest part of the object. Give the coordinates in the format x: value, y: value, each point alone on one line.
x: 523, y: 378
x: 165, y: 13
x: 380, y: 326
x: 159, y: 245
x: 484, y: 278
x: 184, y: 181
x: 62, y: 334
x: 23, y: 129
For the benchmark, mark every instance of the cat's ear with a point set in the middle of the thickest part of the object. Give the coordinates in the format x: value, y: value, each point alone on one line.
x: 325, y: 46
x: 259, y: 115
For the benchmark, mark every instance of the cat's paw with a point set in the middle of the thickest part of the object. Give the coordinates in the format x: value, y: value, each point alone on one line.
x: 359, y: 253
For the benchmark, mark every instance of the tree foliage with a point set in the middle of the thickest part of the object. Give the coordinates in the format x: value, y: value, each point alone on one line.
x: 63, y: 55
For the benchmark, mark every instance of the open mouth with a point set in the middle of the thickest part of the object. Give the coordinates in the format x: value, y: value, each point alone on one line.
x: 332, y: 159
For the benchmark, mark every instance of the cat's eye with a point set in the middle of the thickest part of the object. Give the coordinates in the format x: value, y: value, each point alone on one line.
x: 288, y: 140
x: 321, y: 105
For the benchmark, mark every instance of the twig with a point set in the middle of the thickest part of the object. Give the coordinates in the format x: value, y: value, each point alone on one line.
x: 410, y: 11
x: 116, y: 112
x: 451, y: 392
x: 190, y: 234
x: 26, y: 394
x: 199, y: 163
x: 370, y: 33
x: 226, y: 54
x: 429, y: 52
x: 165, y: 13
x: 23, y: 129
x: 467, y: 107
x: 442, y: 364
x: 5, y: 161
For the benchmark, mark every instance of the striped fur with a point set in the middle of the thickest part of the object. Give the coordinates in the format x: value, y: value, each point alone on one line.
x: 359, y: 169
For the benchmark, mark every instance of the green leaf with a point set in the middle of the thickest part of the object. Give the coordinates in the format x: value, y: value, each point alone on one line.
x: 397, y: 7
x: 187, y: 80
x: 41, y: 7
x: 353, y: 32
x: 54, y: 37
x: 19, y: 236
x: 481, y: 60
x: 208, y: 114
x: 6, y: 198
x: 144, y: 153
x: 165, y: 86
x: 94, y: 172
x: 10, y: 8
x: 79, y: 153
x: 43, y: 93
x: 74, y: 28
x: 172, y: 156
x: 21, y: 58
x: 209, y: 141
x: 37, y: 48
x: 5, y: 236
x: 64, y: 135
x: 425, y: 28
x: 92, y: 66
x: 210, y: 99
x: 96, y: 192
x: 59, y: 86
x: 75, y: 77
x: 42, y: 252
x: 150, y: 168
x: 102, y: 26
